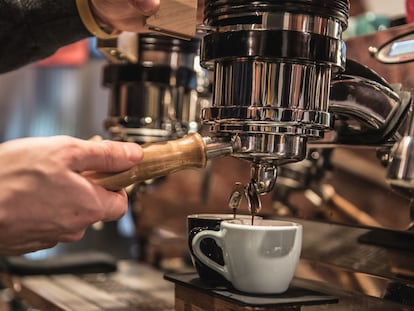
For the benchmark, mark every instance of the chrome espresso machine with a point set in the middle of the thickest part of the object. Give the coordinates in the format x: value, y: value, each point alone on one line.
x: 326, y: 127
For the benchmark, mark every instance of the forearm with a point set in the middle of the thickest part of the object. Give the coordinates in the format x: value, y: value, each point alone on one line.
x: 32, y: 30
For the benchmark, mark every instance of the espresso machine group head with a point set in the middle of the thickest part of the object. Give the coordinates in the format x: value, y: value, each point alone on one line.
x: 273, y: 61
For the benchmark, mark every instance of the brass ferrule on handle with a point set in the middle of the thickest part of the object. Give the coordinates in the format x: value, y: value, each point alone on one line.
x: 163, y: 158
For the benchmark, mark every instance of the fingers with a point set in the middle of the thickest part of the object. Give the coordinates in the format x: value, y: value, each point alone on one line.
x: 147, y: 7
x: 114, y: 204
x: 72, y: 237
x: 105, y: 156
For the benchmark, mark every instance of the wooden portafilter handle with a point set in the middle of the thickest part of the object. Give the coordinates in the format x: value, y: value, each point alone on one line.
x: 163, y: 158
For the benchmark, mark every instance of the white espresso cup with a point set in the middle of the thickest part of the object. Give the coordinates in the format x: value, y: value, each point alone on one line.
x: 199, y: 222
x: 259, y: 258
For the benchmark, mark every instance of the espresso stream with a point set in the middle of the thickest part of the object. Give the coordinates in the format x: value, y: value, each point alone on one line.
x: 252, y: 196
x: 235, y: 215
x: 253, y: 199
x: 253, y: 213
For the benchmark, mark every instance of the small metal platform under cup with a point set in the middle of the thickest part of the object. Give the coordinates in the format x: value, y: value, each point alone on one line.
x: 192, y: 294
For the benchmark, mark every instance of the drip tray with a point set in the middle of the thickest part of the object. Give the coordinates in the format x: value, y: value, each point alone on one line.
x: 293, y: 297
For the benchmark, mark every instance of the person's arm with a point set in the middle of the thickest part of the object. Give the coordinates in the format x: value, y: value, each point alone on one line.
x: 32, y: 30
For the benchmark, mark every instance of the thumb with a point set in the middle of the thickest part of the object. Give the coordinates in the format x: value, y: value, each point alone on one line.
x: 106, y: 156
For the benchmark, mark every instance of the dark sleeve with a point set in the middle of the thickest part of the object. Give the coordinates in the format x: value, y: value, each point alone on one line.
x: 34, y: 29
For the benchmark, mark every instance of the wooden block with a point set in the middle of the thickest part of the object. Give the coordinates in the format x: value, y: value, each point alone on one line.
x: 175, y: 17
x: 191, y: 299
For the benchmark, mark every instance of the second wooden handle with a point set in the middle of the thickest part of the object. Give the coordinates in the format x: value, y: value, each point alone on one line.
x: 160, y: 159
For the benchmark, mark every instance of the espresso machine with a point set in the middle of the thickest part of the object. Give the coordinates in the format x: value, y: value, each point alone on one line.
x: 153, y: 87
x: 287, y: 92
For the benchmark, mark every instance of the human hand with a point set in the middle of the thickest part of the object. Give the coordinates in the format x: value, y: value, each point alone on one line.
x: 125, y: 15
x: 44, y: 199
x: 130, y: 15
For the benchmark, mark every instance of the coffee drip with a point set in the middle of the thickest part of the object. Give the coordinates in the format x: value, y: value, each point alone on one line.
x: 252, y: 194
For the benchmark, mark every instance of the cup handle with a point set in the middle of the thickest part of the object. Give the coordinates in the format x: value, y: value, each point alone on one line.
x: 195, y: 247
x: 191, y: 236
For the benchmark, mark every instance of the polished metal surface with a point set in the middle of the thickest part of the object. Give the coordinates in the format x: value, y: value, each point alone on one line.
x: 171, y: 59
x: 146, y: 112
x: 259, y: 96
x: 269, y: 90
x: 270, y: 148
x: 264, y: 177
x: 398, y: 50
x: 216, y: 148
x: 219, y: 13
x: 289, y: 21
x: 366, y: 112
x: 157, y: 50
x: 154, y: 98
x: 363, y: 262
x: 372, y: 118
x: 400, y: 172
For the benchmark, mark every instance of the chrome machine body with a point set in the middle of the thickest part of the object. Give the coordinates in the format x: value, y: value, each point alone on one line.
x: 273, y: 62
x: 154, y: 87
x: 282, y: 81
